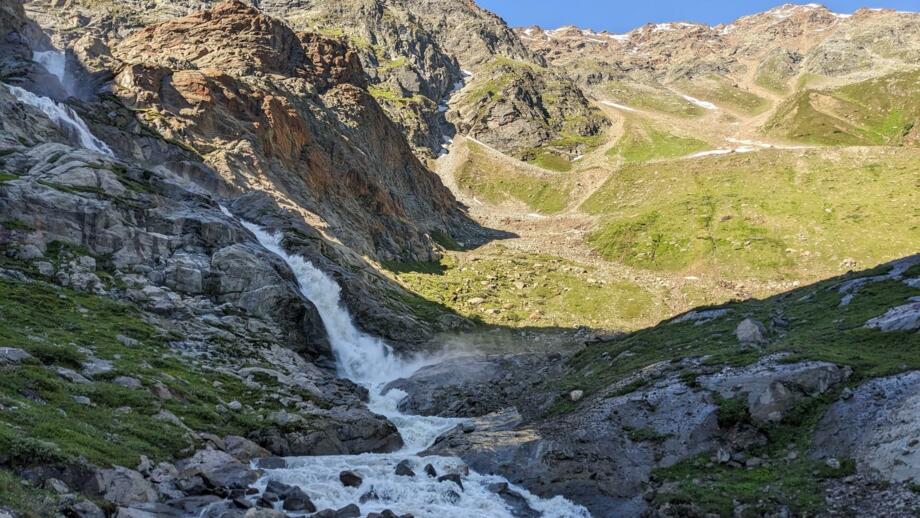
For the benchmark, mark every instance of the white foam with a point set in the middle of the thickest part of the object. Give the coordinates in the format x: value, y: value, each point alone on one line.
x: 64, y: 117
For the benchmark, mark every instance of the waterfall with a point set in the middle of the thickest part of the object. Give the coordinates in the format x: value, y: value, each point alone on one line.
x: 55, y: 62
x: 368, y: 361
x: 64, y: 117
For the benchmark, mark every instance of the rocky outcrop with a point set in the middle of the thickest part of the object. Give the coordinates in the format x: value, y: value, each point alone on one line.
x: 526, y: 110
x: 599, y: 456
x: 471, y: 386
x: 161, y: 244
x: 602, y: 454
x: 771, y: 389
x: 335, y: 154
x: 19, y: 35
x: 877, y: 425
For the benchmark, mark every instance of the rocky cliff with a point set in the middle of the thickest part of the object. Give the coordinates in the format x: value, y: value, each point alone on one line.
x: 413, y: 51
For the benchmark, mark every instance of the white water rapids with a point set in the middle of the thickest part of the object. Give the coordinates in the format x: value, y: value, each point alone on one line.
x: 371, y: 363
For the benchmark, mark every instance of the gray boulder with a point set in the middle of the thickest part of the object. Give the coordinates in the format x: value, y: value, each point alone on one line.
x: 123, y: 486
x: 219, y: 469
x: 13, y: 356
x: 243, y: 449
x: 751, y: 332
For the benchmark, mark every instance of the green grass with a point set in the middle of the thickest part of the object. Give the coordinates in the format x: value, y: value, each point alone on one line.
x: 386, y: 93
x: 26, y: 500
x: 819, y: 329
x: 495, y: 181
x: 879, y: 111
x: 767, y: 215
x: 651, y: 97
x: 6, y: 177
x: 722, y: 92
x: 701, y: 487
x: 642, y: 142
x: 551, y: 161
x: 527, y: 290
x: 47, y: 424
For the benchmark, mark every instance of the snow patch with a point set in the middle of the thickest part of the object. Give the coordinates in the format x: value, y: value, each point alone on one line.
x: 702, y: 104
x: 618, y: 106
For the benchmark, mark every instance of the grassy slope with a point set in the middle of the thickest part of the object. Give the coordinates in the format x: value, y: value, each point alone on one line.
x: 818, y: 328
x: 529, y: 290
x: 653, y: 98
x: 722, y: 92
x: 769, y: 215
x: 642, y: 141
x: 497, y: 181
x: 58, y: 327
x: 877, y: 111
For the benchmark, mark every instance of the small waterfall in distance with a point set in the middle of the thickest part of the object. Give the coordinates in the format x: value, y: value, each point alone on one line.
x: 64, y: 118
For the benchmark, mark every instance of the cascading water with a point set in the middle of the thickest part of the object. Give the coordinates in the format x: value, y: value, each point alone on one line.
x: 55, y: 62
x: 371, y: 363
x: 64, y: 117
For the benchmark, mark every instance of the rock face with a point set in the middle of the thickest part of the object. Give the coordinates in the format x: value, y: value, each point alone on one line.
x: 520, y: 108
x: 771, y: 389
x: 332, y: 152
x: 621, y: 437
x: 19, y: 35
x: 900, y: 318
x: 413, y: 51
x: 877, y: 425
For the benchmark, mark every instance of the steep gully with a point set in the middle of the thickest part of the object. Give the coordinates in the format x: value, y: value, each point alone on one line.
x: 371, y: 363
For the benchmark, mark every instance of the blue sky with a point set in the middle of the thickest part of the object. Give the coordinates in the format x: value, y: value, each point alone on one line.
x: 620, y: 16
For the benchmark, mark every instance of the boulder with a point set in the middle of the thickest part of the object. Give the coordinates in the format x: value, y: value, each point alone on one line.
x: 13, y: 356
x: 404, y: 469
x: 128, y: 382
x: 219, y: 469
x: 243, y: 449
x: 514, y: 500
x: 904, y: 318
x: 350, y: 479
x: 123, y: 486
x: 452, y: 477
x: 83, y: 509
x: 72, y: 376
x: 264, y: 513
x: 751, y: 332
x: 95, y: 366
x: 298, y: 501
x: 349, y: 511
